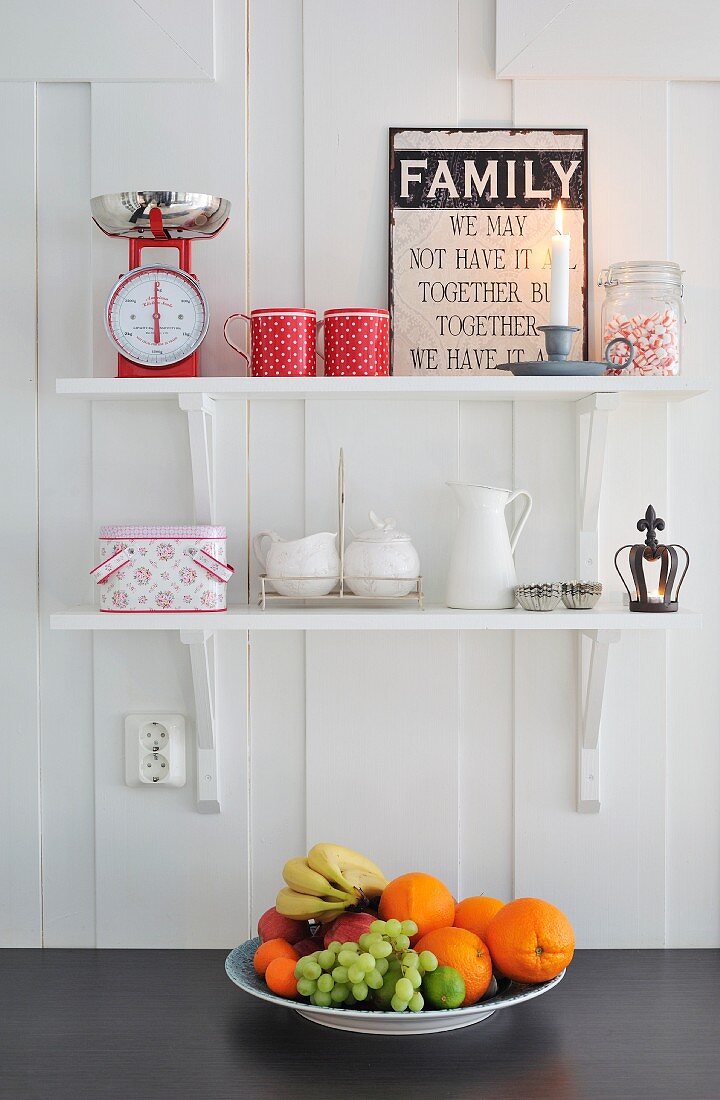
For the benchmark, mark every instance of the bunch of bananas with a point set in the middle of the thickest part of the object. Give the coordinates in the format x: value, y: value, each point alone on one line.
x: 331, y: 880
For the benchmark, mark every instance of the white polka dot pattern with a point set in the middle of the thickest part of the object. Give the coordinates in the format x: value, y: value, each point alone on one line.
x: 357, y: 342
x: 283, y: 344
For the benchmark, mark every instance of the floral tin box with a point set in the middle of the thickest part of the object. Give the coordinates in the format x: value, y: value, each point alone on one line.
x: 162, y: 569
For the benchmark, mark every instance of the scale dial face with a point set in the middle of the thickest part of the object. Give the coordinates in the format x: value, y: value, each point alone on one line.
x: 156, y: 315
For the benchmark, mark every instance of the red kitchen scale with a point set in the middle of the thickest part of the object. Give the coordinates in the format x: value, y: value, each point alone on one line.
x: 157, y: 315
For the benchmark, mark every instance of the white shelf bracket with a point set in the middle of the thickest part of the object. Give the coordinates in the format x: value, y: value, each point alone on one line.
x: 201, y: 645
x: 200, y: 411
x: 594, y: 652
x: 592, y: 415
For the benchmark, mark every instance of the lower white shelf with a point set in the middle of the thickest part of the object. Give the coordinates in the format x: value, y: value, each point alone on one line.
x: 602, y: 617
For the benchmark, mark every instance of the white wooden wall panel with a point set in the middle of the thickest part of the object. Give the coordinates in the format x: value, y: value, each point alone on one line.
x: 485, y: 740
x: 370, y: 720
x: 367, y: 67
x: 153, y: 40
x: 397, y: 457
x: 496, y: 769
x: 485, y: 751
x: 629, y: 212
x: 20, y: 911
x: 66, y: 529
x: 365, y: 693
x: 276, y: 154
x: 651, y: 39
x: 194, y: 136
x: 693, y: 837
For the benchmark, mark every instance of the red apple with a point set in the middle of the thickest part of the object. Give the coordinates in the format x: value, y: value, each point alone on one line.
x: 309, y: 946
x: 273, y: 925
x: 349, y: 927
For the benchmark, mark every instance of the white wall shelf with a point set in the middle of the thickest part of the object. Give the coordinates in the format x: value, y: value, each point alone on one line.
x: 487, y: 388
x: 601, y: 618
x: 593, y: 398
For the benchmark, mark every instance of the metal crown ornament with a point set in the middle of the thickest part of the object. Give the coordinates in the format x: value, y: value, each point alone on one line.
x: 666, y: 596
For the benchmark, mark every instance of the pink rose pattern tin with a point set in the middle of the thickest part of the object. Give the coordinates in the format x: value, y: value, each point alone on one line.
x: 162, y: 569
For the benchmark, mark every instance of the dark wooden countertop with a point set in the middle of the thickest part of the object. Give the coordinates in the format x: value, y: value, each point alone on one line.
x: 150, y: 1025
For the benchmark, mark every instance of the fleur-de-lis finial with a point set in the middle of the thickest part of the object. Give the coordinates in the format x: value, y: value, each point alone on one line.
x: 651, y: 523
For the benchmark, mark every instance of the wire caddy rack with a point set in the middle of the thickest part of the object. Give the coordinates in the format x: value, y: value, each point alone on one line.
x: 341, y: 593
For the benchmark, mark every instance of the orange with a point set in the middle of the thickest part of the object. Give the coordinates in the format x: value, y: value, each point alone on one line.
x: 464, y: 951
x: 280, y: 977
x: 530, y: 940
x: 418, y: 897
x: 273, y: 949
x: 475, y: 914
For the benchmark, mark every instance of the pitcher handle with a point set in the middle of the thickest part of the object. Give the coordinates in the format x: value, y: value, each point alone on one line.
x: 228, y: 341
x: 257, y: 547
x: 518, y: 528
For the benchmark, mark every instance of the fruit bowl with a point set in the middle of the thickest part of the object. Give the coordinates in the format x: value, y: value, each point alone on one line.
x: 239, y: 968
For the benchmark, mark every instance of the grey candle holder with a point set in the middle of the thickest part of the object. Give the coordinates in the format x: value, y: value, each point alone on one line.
x: 558, y: 340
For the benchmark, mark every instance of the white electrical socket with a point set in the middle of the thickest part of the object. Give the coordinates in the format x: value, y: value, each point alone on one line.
x: 155, y: 750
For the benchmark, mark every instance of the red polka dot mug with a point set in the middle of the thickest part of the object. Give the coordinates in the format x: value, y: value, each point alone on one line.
x: 282, y: 342
x: 357, y: 341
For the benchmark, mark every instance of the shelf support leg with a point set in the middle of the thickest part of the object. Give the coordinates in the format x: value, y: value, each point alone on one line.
x: 592, y: 415
x: 592, y: 424
x: 594, y: 652
x: 200, y: 411
x: 201, y: 646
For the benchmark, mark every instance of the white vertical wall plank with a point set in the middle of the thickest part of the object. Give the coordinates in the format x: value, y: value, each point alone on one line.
x: 485, y: 740
x: 277, y: 761
x: 366, y: 695
x: 189, y: 137
x: 277, y: 661
x: 165, y: 874
x: 694, y: 460
x: 20, y: 907
x: 277, y: 441
x: 276, y: 154
x: 482, y: 100
x: 376, y: 706
x: 66, y: 534
x: 163, y: 870
x: 627, y: 147
x: 486, y: 688
x: 367, y: 67
x: 625, y: 842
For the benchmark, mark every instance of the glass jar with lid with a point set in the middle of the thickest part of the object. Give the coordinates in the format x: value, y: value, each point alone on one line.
x: 643, y: 311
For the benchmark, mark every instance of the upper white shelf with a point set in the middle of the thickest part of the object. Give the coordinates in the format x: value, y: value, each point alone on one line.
x: 603, y: 617
x: 503, y: 387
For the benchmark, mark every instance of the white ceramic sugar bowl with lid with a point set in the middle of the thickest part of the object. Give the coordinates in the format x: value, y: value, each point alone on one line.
x: 381, y: 562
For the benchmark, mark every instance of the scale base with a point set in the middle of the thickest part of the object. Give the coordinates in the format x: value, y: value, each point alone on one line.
x: 188, y: 367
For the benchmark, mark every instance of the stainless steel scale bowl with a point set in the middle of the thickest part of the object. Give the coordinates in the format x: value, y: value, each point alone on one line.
x: 185, y: 214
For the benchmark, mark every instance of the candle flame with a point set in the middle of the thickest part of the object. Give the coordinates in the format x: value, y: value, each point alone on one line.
x: 559, y: 218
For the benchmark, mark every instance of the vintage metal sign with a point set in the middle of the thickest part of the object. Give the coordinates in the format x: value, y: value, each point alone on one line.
x: 472, y: 213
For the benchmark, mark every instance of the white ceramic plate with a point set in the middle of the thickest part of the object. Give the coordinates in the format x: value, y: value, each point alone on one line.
x: 240, y: 970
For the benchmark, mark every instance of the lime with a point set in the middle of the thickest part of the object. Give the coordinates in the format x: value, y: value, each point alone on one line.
x: 383, y: 996
x: 443, y: 988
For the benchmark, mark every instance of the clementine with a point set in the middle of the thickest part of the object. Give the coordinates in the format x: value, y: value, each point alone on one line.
x: 530, y: 940
x: 280, y: 977
x: 273, y: 949
x: 418, y: 897
x: 475, y: 914
x: 464, y: 951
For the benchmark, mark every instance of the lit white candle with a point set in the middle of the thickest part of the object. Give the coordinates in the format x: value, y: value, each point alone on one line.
x: 559, y: 272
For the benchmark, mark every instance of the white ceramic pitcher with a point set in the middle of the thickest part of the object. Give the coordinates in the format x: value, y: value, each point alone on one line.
x: 482, y: 569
